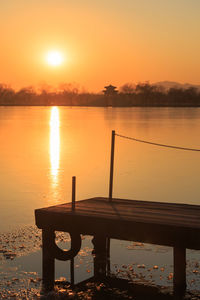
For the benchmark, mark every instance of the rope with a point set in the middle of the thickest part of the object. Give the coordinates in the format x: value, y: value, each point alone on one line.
x: 157, y: 144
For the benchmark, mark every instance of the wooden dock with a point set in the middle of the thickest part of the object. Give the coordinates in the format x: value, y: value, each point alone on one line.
x: 175, y: 225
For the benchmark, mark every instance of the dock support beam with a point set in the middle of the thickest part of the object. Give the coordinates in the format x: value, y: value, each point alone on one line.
x: 100, y: 256
x: 50, y: 252
x: 179, y: 272
x: 48, y: 263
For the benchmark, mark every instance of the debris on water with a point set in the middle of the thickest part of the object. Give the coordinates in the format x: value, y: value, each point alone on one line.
x: 135, y: 245
x: 149, y: 269
x: 170, y: 276
x: 155, y: 267
x: 24, y: 241
x: 9, y: 254
x: 88, y: 271
x: 27, y: 285
x: 162, y: 269
x: 141, y: 266
x: 124, y: 266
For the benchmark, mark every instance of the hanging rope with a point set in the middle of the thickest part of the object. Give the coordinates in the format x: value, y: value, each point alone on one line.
x: 157, y: 144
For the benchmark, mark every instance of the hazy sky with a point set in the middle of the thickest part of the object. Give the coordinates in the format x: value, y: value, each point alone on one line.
x: 102, y: 41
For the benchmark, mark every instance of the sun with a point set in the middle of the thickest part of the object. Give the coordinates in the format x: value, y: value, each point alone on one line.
x: 54, y: 58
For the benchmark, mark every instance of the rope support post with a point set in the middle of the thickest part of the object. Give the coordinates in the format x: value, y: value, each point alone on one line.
x: 73, y: 192
x: 112, y: 164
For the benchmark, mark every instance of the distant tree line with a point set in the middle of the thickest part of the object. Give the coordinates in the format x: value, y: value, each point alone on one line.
x: 141, y: 94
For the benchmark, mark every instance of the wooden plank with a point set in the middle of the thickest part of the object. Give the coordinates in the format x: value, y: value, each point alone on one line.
x: 138, y: 217
x: 100, y: 203
x: 170, y: 224
x: 160, y: 213
x: 152, y: 222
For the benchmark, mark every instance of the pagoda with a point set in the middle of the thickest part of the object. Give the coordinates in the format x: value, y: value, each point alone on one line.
x: 110, y: 90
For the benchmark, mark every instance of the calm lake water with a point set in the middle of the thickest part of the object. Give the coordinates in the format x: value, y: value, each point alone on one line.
x: 41, y: 148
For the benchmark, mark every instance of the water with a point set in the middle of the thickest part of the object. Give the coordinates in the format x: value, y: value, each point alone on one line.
x: 41, y: 148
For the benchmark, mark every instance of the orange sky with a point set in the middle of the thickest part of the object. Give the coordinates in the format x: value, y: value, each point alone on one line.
x: 102, y: 41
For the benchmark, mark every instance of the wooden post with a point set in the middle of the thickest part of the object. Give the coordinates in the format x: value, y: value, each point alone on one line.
x: 73, y: 192
x: 179, y: 272
x: 100, y: 256
x: 108, y: 256
x: 48, y: 266
x: 112, y: 164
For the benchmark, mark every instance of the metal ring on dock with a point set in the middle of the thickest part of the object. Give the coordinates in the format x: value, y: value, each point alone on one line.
x: 67, y: 254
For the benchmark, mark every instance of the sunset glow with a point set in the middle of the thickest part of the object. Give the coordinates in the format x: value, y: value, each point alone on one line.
x: 136, y: 42
x: 54, y: 58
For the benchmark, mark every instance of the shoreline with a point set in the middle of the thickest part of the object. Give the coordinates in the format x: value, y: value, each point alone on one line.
x: 101, y: 106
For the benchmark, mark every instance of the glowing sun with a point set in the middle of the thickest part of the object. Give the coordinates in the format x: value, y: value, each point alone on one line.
x: 54, y: 58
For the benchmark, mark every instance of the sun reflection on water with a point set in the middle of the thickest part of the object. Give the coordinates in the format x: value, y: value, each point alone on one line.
x: 54, y: 144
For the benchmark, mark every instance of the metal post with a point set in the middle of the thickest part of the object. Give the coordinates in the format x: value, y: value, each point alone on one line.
x: 110, y: 196
x: 72, y: 271
x: 73, y: 192
x: 112, y: 164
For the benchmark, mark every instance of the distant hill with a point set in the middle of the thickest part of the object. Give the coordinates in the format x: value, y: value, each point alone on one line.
x: 171, y: 84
